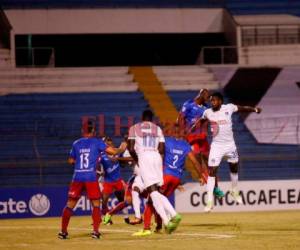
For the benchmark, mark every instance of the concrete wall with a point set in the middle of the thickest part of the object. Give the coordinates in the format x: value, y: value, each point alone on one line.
x: 99, y: 21
x: 230, y: 28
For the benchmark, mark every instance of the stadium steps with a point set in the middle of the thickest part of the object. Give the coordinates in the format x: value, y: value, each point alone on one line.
x: 190, y: 77
x: 154, y: 93
x: 65, y: 80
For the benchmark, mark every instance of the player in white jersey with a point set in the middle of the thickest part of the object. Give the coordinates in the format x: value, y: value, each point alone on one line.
x: 223, y: 144
x: 146, y: 145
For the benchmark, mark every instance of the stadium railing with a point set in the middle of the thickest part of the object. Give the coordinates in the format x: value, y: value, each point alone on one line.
x: 218, y: 55
x: 270, y: 34
x: 35, y: 56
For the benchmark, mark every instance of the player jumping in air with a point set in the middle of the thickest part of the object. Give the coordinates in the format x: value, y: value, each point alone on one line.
x: 176, y: 151
x: 223, y: 144
x: 84, y: 156
x: 190, y: 121
x: 146, y: 144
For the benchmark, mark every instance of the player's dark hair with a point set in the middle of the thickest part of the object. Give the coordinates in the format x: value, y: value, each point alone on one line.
x: 147, y: 115
x: 218, y: 95
x: 90, y: 126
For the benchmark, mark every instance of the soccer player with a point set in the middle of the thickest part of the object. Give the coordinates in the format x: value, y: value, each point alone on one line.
x: 146, y: 144
x: 113, y: 183
x: 136, y: 189
x: 176, y: 151
x: 84, y: 155
x: 135, y: 192
x: 223, y: 144
x: 190, y: 120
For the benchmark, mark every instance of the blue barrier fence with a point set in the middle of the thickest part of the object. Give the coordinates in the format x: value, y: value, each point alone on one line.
x: 43, y: 202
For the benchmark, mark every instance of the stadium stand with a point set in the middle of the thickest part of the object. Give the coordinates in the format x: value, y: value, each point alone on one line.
x: 42, y: 115
x: 47, y: 80
x: 186, y: 77
x: 38, y: 130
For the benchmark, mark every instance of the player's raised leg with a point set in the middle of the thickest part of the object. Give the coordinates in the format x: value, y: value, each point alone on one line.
x: 234, y: 192
x: 136, y: 204
x: 211, y: 181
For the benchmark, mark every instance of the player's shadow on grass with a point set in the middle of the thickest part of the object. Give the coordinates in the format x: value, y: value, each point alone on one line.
x: 80, y: 235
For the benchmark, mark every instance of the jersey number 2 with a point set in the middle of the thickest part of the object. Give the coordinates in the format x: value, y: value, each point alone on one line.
x: 175, y: 159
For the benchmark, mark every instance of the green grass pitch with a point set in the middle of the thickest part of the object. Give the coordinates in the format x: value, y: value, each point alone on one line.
x: 246, y: 231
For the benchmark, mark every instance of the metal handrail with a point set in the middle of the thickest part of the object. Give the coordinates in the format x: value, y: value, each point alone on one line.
x: 277, y: 38
x: 201, y: 58
x: 33, y: 57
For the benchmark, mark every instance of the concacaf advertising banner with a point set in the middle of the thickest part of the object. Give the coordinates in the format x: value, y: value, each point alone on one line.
x: 256, y: 195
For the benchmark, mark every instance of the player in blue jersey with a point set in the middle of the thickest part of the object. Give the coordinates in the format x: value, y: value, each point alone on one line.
x: 133, y: 194
x: 84, y: 156
x: 176, y: 151
x: 190, y: 120
x: 113, y: 184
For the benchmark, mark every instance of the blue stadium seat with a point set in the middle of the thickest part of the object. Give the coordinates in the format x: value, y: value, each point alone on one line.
x: 38, y: 130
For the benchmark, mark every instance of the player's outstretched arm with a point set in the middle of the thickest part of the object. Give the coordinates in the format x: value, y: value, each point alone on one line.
x: 124, y: 159
x: 116, y: 151
x: 249, y: 109
x: 181, y: 120
x: 197, y: 167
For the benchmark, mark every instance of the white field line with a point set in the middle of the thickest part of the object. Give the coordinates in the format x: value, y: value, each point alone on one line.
x: 190, y: 234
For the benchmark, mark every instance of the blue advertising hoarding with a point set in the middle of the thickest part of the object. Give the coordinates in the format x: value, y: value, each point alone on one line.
x: 42, y: 202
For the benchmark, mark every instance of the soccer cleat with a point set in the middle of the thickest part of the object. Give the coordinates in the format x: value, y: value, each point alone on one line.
x: 171, y: 227
x: 136, y: 221
x: 236, y: 196
x: 95, y: 235
x: 208, y: 207
x: 63, y: 235
x: 142, y: 233
x: 126, y: 220
x: 176, y: 219
x: 107, y: 219
x: 158, y: 230
x: 218, y: 193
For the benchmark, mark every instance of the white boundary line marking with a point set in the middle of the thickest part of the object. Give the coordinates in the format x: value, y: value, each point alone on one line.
x: 191, y: 234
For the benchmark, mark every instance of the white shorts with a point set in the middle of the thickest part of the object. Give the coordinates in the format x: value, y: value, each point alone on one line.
x: 219, y: 151
x: 138, y: 182
x: 151, y: 171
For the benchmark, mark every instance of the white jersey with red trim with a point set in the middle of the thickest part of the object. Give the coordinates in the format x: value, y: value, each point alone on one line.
x: 221, y: 123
